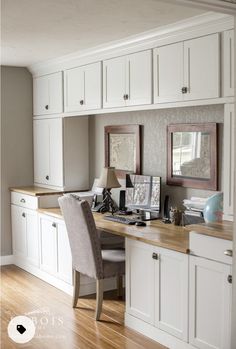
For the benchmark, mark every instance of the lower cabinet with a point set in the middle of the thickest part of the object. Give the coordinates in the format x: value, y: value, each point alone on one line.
x: 157, y: 287
x: 210, y: 304
x: 25, y: 234
x: 55, y: 254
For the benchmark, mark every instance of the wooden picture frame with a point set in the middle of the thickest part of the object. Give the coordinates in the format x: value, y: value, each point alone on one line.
x: 128, y: 159
x: 209, y: 181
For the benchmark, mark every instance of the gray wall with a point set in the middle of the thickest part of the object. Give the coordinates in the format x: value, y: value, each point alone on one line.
x: 16, y: 141
x: 154, y: 141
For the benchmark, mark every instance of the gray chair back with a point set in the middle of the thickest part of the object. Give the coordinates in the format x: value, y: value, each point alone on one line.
x: 83, y: 237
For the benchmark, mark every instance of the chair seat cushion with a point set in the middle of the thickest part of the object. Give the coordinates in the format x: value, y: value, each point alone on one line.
x: 113, y: 263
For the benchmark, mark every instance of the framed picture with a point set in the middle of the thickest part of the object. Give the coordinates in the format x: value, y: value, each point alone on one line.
x: 122, y: 149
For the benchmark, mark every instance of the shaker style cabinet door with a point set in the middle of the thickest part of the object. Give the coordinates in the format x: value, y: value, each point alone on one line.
x: 48, y: 94
x: 32, y: 238
x: 168, y: 73
x: 64, y: 254
x: 140, y: 281
x: 48, y: 152
x: 114, y: 79
x: 171, y: 293
x: 228, y: 63
x: 139, y: 78
x: 210, y: 304
x: 18, y: 221
x: 229, y: 155
x: 202, y: 67
x: 48, y: 245
x: 83, y: 88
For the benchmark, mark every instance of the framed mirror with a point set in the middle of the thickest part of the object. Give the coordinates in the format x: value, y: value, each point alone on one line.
x: 192, y: 155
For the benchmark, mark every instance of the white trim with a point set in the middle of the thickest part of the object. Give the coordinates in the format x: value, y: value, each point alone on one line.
x: 155, y: 333
x: 183, y: 104
x: 204, y: 24
x: 6, y: 260
x: 221, y: 6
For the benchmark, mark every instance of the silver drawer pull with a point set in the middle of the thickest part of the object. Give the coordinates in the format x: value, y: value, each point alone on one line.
x: 155, y: 256
x: 22, y: 200
x: 228, y: 253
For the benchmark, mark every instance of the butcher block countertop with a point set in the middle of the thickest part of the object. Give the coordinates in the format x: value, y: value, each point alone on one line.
x: 156, y: 232
x: 35, y: 191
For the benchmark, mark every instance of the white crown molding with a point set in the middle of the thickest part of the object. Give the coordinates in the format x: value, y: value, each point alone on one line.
x: 222, y: 6
x: 204, y: 24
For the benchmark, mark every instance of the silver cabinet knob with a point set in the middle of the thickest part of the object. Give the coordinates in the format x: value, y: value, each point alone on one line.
x: 22, y: 200
x: 81, y: 102
x: 228, y: 253
x: 184, y: 90
x: 47, y: 107
x: 23, y: 214
x: 54, y: 225
x: 230, y: 279
x: 47, y: 178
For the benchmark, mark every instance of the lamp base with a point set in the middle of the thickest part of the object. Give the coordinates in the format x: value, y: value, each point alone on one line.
x: 108, y: 205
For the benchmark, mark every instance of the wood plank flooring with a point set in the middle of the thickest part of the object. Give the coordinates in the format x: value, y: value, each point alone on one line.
x: 60, y: 326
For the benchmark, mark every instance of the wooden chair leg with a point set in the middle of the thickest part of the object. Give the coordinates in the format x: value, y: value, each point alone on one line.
x: 99, y: 299
x: 119, y: 283
x: 76, y: 280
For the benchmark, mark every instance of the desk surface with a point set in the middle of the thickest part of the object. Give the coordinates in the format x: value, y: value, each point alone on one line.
x: 157, y: 233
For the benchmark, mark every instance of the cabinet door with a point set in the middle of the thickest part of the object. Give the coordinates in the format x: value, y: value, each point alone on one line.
x: 74, y: 89
x: 48, y: 97
x: 64, y: 254
x: 140, y: 280
x: 41, y: 151
x: 48, y: 245
x: 18, y: 221
x: 228, y: 63
x: 139, y: 78
x: 202, y: 67
x: 171, y: 293
x: 32, y: 240
x: 93, y: 86
x: 229, y: 149
x: 114, y: 82
x: 168, y: 73
x: 210, y: 304
x: 56, y: 152
x: 48, y: 152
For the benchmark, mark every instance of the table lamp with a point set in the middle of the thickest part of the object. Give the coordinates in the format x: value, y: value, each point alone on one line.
x: 108, y: 180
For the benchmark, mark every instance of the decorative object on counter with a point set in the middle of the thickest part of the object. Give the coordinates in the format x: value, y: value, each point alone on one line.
x: 176, y: 216
x: 108, y: 180
x: 122, y: 149
x: 193, y: 213
x: 213, y: 210
x: 192, y: 155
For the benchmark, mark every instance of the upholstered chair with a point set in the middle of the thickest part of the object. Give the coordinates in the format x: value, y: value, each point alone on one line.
x: 87, y: 256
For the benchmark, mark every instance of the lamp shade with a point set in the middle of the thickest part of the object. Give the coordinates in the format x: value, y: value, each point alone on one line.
x: 108, y: 179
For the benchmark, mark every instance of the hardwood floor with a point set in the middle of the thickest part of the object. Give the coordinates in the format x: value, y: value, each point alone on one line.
x: 60, y: 326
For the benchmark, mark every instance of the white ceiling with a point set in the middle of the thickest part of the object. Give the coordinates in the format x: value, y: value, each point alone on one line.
x: 37, y: 30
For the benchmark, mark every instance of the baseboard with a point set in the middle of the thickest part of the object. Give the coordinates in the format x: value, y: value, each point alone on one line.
x: 6, y: 260
x: 155, y: 333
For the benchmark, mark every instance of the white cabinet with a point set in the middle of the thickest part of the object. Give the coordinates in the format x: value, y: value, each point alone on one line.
x: 25, y: 234
x: 61, y: 153
x: 229, y: 158
x: 228, y: 63
x: 171, y: 293
x: 83, y: 88
x: 210, y: 304
x: 188, y: 70
x: 127, y: 80
x: 48, y: 94
x: 202, y: 67
x: 168, y: 73
x: 140, y: 281
x: 55, y: 253
x: 157, y: 287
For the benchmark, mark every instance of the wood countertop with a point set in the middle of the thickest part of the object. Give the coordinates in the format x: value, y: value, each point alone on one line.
x: 157, y: 233
x: 39, y: 191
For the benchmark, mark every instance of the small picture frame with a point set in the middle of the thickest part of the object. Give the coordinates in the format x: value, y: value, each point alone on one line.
x: 122, y: 149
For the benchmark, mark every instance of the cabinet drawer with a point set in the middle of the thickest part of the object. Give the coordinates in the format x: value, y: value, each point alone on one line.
x: 24, y: 200
x: 210, y: 247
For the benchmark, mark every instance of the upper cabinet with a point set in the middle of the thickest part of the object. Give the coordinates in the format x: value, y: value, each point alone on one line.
x: 228, y: 63
x: 188, y: 70
x: 127, y: 80
x: 48, y: 94
x: 83, y: 88
x: 61, y: 153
